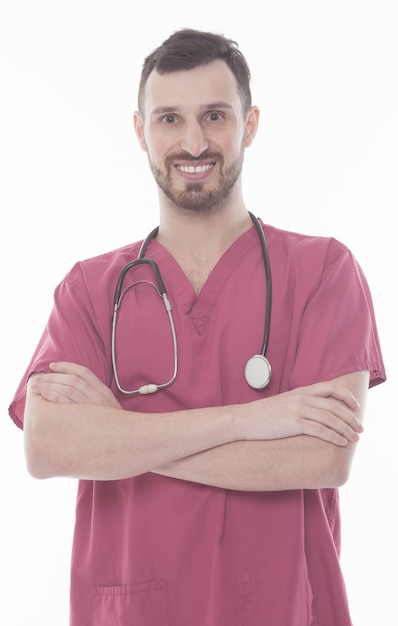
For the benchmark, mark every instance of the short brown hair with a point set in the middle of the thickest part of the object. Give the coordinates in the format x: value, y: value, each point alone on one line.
x: 187, y: 49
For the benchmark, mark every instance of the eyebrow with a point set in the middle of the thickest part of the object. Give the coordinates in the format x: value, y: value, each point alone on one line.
x: 205, y: 107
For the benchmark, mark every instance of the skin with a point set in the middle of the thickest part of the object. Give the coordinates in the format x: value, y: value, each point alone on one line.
x: 304, y: 438
x: 181, y: 123
x: 75, y: 427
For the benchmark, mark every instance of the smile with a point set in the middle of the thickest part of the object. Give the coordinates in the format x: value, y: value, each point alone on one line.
x: 195, y: 169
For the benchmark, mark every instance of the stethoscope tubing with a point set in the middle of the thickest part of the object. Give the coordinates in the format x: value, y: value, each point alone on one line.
x: 268, y: 281
x: 262, y: 367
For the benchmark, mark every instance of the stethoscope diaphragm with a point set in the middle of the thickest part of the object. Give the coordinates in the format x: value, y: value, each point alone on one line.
x: 258, y: 371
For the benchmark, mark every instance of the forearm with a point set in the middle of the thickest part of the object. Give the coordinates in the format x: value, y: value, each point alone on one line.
x: 74, y: 426
x: 106, y: 443
x: 299, y: 462
x: 286, y: 462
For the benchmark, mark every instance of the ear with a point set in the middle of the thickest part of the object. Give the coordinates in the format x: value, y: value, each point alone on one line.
x: 252, y: 125
x: 139, y: 130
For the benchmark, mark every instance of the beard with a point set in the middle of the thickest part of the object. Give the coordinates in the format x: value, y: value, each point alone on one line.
x: 194, y: 197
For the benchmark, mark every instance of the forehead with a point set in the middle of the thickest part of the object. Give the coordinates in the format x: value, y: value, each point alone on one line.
x: 197, y: 87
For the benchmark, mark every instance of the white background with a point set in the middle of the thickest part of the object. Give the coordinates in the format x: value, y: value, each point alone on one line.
x: 74, y: 183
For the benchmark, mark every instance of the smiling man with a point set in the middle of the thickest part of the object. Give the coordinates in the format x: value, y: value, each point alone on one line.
x: 195, y: 146
x: 208, y: 496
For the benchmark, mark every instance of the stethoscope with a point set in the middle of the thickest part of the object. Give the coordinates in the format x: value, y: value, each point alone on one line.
x: 257, y: 370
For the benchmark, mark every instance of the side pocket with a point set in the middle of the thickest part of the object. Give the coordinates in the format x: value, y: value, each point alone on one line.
x: 143, y: 604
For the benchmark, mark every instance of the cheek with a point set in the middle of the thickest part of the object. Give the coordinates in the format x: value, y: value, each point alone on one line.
x: 157, y: 149
x: 234, y: 148
x: 231, y: 143
x: 152, y: 153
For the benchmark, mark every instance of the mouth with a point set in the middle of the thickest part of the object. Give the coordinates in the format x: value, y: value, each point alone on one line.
x: 195, y: 169
x: 195, y: 172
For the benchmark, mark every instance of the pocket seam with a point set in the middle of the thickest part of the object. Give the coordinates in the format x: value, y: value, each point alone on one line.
x: 119, y: 590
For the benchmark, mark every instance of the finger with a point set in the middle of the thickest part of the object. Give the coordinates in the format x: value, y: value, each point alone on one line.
x: 335, y: 413
x: 74, y: 369
x: 324, y: 424
x: 321, y: 421
x: 76, y: 384
x: 71, y: 381
x: 55, y: 396
x: 320, y: 431
x: 94, y: 389
x: 337, y: 391
x: 56, y: 392
x: 83, y: 377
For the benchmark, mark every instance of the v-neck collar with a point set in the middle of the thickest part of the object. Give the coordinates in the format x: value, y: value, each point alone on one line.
x: 199, y: 307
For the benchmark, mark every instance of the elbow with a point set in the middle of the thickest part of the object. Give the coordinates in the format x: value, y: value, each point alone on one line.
x: 336, y: 468
x: 41, y: 457
x: 337, y: 477
x: 43, y: 439
x: 37, y: 458
x: 38, y: 469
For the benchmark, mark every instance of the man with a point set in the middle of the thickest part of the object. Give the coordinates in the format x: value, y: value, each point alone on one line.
x: 203, y: 501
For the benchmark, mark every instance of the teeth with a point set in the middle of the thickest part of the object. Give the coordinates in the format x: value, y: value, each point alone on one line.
x: 195, y: 169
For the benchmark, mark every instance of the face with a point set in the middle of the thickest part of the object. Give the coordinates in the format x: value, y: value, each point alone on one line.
x: 195, y: 132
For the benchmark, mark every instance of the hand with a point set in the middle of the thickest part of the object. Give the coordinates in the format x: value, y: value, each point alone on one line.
x: 69, y: 383
x: 325, y: 410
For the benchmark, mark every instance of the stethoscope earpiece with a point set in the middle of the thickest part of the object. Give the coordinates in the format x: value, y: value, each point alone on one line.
x: 258, y: 371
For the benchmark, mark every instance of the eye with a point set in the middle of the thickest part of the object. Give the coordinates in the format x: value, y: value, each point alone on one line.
x: 215, y: 116
x: 170, y: 118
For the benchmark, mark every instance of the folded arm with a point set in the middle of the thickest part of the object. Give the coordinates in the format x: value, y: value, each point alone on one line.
x: 75, y: 427
x: 297, y: 462
x: 91, y: 437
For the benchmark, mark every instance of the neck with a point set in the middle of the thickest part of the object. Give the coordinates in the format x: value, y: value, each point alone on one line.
x: 191, y: 232
x: 198, y: 241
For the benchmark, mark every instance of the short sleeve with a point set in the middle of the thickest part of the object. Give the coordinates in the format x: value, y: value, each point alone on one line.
x: 338, y: 333
x: 71, y: 334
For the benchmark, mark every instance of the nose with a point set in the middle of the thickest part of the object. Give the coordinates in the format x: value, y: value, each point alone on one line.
x: 194, y: 141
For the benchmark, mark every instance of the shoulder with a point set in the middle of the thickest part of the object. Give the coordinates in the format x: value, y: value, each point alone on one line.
x: 101, y: 268
x: 299, y: 248
x: 300, y: 241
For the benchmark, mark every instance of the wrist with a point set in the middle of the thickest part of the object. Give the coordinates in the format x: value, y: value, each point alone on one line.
x: 239, y: 422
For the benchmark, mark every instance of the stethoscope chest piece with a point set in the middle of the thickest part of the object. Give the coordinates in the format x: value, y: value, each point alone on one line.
x: 258, y: 371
